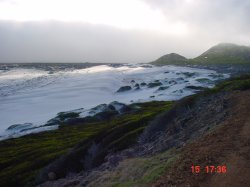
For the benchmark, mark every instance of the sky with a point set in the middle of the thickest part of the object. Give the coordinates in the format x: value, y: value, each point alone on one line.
x: 125, y: 31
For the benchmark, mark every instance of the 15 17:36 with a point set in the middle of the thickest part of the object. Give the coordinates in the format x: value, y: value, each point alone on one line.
x: 209, y: 169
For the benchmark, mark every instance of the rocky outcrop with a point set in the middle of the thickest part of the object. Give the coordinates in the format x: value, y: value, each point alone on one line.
x: 124, y: 88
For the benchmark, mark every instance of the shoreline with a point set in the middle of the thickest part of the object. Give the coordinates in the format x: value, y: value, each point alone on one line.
x: 168, y: 83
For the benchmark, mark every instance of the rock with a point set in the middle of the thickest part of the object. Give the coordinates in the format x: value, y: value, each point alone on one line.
x: 188, y: 74
x: 195, y: 87
x: 178, y: 91
x: 204, y: 80
x: 143, y: 84
x: 180, y: 79
x: 51, y: 176
x: 216, y: 75
x: 71, y: 183
x: 51, y: 122
x: 99, y: 108
x: 66, y: 115
x: 120, y: 107
x: 154, y: 84
x: 133, y: 81
x: 105, y: 115
x: 124, y: 88
x: 172, y: 82
x: 19, y: 126
x: 114, y: 160
x: 137, y: 86
x: 163, y: 88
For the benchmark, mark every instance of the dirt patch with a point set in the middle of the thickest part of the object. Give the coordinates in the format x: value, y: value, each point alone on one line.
x: 228, y: 144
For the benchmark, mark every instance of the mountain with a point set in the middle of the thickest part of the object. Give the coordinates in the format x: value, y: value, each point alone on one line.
x: 171, y: 58
x: 224, y: 53
x: 221, y: 54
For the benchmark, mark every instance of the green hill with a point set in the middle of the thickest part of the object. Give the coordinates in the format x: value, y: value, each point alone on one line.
x: 169, y: 59
x: 224, y: 53
x: 221, y: 54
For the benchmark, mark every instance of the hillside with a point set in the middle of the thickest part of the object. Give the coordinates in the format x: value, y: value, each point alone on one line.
x: 224, y: 53
x: 24, y: 157
x: 169, y: 59
x: 150, y: 144
x: 207, y: 129
x: 221, y: 54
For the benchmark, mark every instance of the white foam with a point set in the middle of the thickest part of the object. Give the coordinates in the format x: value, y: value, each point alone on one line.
x: 34, y: 96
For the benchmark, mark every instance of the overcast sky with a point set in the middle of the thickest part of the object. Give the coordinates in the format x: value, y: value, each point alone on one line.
x: 117, y: 30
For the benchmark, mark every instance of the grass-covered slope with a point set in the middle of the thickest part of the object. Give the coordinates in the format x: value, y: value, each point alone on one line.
x: 140, y: 171
x: 223, y: 54
x: 170, y: 59
x: 226, y: 145
x: 22, y: 158
x: 209, y: 128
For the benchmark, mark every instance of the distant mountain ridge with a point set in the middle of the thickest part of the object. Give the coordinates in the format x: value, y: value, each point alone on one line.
x: 221, y: 54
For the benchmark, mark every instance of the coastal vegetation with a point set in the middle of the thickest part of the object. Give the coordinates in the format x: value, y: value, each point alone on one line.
x: 23, y: 157
x: 221, y: 54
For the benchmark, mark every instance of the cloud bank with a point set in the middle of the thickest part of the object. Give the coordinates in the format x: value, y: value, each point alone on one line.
x: 115, y: 32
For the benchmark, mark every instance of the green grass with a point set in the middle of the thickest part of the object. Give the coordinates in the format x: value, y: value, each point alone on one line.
x: 22, y: 158
x: 140, y: 171
x: 219, y: 60
x: 235, y: 83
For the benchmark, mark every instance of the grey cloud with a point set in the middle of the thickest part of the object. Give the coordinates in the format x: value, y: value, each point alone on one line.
x: 222, y: 16
x: 209, y: 22
x: 78, y: 42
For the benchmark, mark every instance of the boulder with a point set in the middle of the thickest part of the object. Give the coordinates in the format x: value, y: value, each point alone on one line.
x: 163, y: 88
x: 154, y: 84
x: 124, y: 88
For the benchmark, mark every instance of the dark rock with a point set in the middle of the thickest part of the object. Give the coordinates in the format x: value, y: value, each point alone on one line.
x: 111, y: 107
x: 203, y: 80
x: 51, y: 122
x: 195, y: 87
x: 124, y: 88
x: 100, y: 107
x: 188, y: 74
x: 19, y: 126
x: 106, y: 115
x: 120, y: 107
x: 137, y: 86
x: 65, y: 115
x: 172, y: 82
x: 143, y: 84
x: 154, y: 84
x: 163, y: 88
x: 51, y: 176
x: 180, y: 79
x: 114, y: 160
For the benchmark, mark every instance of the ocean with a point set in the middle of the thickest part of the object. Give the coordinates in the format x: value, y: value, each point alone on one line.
x: 32, y: 94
